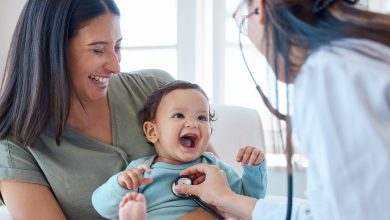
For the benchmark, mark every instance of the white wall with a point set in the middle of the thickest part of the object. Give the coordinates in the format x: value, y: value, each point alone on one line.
x: 9, y: 13
x: 382, y: 6
x: 277, y: 182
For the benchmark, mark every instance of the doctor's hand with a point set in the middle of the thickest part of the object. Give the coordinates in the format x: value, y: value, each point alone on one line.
x: 215, y: 190
x: 213, y: 186
x: 134, y: 178
x: 249, y: 156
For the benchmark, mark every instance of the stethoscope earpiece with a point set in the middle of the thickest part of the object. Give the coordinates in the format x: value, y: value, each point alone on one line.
x: 188, y: 181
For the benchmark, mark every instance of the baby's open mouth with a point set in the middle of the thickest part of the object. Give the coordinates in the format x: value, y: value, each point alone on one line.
x: 188, y: 141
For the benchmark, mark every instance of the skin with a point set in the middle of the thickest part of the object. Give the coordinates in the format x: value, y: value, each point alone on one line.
x: 93, y: 54
x: 132, y: 206
x: 181, y: 112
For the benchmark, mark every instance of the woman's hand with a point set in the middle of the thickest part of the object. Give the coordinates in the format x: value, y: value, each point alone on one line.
x: 133, y: 178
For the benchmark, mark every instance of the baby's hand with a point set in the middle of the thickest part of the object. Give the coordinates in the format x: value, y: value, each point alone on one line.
x: 133, y: 178
x: 249, y: 156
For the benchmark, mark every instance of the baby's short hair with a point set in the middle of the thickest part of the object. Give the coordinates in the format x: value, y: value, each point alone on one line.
x: 148, y: 112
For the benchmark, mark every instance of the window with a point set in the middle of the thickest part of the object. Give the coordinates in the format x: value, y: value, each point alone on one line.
x: 197, y: 40
x: 149, y: 35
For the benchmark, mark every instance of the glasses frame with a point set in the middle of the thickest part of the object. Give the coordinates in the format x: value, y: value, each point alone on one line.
x: 242, y: 20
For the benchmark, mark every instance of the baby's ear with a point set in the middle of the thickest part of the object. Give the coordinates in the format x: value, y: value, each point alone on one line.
x: 150, y: 131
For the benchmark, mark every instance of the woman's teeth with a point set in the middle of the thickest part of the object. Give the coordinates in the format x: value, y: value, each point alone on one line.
x: 99, y: 79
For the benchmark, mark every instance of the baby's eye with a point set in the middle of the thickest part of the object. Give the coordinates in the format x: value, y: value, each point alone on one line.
x: 178, y: 115
x: 203, y: 118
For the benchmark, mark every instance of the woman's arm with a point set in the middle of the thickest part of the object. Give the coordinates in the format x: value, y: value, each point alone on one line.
x: 30, y: 201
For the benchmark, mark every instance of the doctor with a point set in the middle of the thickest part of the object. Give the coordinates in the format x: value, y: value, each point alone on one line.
x: 338, y: 57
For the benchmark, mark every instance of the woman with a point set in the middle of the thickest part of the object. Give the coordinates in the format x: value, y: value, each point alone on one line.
x: 339, y: 59
x: 67, y: 120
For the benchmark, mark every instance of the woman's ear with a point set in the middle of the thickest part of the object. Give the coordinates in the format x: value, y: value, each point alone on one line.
x: 150, y: 131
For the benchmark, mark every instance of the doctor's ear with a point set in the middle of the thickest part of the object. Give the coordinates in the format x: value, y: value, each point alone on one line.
x: 150, y: 131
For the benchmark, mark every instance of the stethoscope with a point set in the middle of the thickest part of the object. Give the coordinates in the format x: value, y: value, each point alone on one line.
x: 188, y: 181
x: 280, y: 116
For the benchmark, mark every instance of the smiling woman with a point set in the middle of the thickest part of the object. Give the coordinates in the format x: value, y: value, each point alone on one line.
x: 93, y: 56
x: 67, y: 117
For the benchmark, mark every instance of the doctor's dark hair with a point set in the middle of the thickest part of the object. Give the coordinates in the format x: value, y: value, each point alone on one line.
x: 148, y: 112
x: 36, y: 86
x: 309, y: 24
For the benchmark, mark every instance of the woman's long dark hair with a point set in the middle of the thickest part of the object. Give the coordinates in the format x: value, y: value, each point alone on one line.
x: 36, y: 85
x: 293, y: 23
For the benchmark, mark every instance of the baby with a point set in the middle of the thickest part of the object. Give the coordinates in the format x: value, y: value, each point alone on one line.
x: 176, y: 119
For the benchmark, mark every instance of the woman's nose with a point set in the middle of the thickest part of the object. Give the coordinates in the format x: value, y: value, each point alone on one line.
x: 112, y: 63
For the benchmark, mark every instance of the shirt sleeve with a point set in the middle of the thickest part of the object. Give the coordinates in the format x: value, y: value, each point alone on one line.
x: 254, y: 180
x: 106, y: 198
x: 270, y: 209
x: 159, y: 76
x: 342, y: 120
x: 252, y: 183
x: 17, y: 163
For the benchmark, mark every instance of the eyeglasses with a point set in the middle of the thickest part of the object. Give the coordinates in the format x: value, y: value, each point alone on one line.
x: 241, y: 16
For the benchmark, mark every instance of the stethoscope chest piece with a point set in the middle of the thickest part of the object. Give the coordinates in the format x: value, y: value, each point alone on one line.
x: 188, y: 181
x: 178, y: 181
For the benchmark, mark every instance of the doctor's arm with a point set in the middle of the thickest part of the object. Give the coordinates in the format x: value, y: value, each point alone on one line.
x: 215, y: 191
x: 30, y: 201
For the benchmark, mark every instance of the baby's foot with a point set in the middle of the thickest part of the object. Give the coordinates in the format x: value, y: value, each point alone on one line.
x: 133, y: 207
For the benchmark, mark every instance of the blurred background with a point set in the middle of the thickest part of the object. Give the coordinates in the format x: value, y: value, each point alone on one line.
x: 197, y: 40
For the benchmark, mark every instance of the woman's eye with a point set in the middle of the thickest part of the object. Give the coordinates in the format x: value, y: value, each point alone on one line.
x: 118, y: 49
x: 178, y: 115
x: 202, y: 118
x: 98, y: 51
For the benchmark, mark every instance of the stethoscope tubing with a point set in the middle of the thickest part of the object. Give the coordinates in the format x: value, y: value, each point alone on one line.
x: 198, y: 201
x: 205, y: 207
